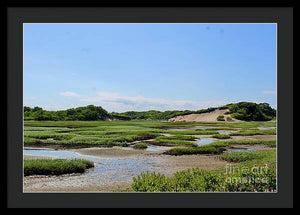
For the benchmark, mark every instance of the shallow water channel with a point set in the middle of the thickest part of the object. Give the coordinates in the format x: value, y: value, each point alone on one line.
x: 150, y: 149
x: 105, y: 170
x: 240, y: 150
x: 205, y: 141
x: 266, y: 128
x: 153, y: 149
x: 224, y: 132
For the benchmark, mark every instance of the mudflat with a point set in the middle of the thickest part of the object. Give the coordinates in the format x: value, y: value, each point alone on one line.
x: 95, y: 180
x: 112, y: 148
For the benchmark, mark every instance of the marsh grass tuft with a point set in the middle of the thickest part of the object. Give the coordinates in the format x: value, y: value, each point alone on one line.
x: 270, y: 143
x: 254, y: 132
x: 221, y: 180
x: 221, y: 136
x: 55, y: 166
x: 140, y: 146
x: 167, y: 141
x: 239, y: 156
x: 207, y: 149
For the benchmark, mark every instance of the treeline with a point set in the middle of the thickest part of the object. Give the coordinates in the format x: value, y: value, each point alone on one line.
x: 94, y: 113
x: 247, y: 111
x: 88, y: 113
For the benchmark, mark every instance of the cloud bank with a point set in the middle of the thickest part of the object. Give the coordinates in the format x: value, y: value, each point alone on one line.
x: 119, y: 103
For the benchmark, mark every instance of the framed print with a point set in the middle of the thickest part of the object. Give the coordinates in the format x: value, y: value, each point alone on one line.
x: 150, y: 107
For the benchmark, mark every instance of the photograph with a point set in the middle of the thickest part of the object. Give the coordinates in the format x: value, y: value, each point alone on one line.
x: 149, y: 107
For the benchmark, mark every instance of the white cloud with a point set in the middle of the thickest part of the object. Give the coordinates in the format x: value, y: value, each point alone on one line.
x: 69, y: 94
x: 116, y: 102
x: 269, y: 92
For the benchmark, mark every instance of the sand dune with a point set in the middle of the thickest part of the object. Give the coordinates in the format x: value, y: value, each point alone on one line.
x: 202, y: 117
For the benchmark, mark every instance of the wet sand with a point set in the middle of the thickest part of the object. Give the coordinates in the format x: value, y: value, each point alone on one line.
x: 257, y: 147
x: 254, y: 137
x: 118, y: 152
x: 32, y: 157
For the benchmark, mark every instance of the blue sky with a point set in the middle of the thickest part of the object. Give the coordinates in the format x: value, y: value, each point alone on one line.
x: 125, y: 67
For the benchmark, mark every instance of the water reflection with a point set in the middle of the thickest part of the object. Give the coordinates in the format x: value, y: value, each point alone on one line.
x: 205, y: 141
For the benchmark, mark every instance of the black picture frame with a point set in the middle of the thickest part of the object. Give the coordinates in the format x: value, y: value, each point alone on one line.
x: 16, y: 16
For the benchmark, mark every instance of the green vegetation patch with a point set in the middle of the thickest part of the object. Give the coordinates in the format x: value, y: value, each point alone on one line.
x: 121, y: 133
x: 55, y: 166
x: 30, y: 140
x: 217, y: 129
x: 178, y: 137
x: 197, y: 180
x: 166, y: 141
x: 221, y: 136
x: 254, y: 173
x: 221, y: 118
x: 270, y: 143
x: 105, y: 134
x: 250, y: 111
x: 198, y: 132
x: 88, y: 113
x: 46, y: 134
x: 229, y: 119
x: 217, y: 147
x: 241, y: 156
x: 254, y: 132
x: 140, y: 146
x: 207, y: 149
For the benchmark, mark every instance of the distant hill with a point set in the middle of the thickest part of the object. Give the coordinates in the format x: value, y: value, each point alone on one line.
x: 247, y: 111
x: 242, y: 111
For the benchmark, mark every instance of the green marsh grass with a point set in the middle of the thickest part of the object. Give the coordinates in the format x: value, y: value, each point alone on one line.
x: 120, y: 133
x: 140, y: 146
x: 30, y: 140
x: 207, y: 149
x: 254, y: 132
x: 178, y: 137
x: 270, y: 143
x: 199, y: 132
x: 244, y: 156
x: 244, y: 178
x: 217, y: 147
x: 55, y: 166
x: 221, y: 136
x: 166, y: 141
x: 47, y: 134
x: 108, y: 136
x: 217, y: 129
